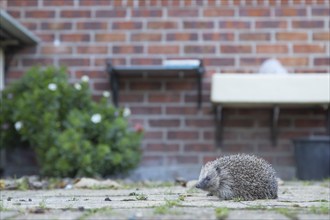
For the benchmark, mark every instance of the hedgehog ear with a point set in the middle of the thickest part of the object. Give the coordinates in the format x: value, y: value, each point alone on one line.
x: 218, y: 169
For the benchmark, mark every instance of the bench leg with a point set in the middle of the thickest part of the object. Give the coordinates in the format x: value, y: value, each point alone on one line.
x: 328, y: 120
x: 274, y: 128
x: 218, y: 120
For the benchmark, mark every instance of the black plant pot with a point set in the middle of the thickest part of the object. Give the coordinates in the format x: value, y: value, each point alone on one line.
x: 312, y: 156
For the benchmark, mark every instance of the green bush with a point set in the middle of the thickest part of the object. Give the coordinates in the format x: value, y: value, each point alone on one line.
x: 70, y: 133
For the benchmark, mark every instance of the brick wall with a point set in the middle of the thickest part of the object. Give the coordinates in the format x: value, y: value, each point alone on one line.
x: 229, y: 36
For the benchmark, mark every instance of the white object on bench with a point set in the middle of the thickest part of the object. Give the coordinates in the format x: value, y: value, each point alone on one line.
x: 245, y: 89
x: 248, y: 90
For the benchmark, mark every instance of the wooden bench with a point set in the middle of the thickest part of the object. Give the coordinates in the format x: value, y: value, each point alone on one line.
x: 265, y: 90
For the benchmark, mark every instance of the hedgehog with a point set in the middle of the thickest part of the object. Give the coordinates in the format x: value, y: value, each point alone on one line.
x: 241, y: 176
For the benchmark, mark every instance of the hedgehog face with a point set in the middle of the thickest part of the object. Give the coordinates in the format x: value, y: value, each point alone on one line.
x: 208, y: 178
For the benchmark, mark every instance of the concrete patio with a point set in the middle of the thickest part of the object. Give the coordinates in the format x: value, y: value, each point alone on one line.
x: 297, y: 200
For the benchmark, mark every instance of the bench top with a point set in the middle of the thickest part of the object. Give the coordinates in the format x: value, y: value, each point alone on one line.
x: 267, y: 89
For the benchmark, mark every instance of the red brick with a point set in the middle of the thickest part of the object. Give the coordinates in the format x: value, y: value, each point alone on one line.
x: 182, y: 12
x: 218, y: 12
x: 117, y: 61
x: 218, y: 36
x: 181, y: 110
x: 30, y: 25
x: 164, y: 123
x: 153, y: 135
x: 269, y: 148
x: 20, y: 3
x: 310, y: 24
x: 46, y: 37
x: 127, y: 49
x: 110, y: 37
x: 132, y: 98
x: 146, y: 37
x: 292, y: 36
x: 324, y: 11
x: 146, y: 110
x: 199, y: 123
x: 308, y: 48
x: 251, y: 61
x: 237, y: 147
x: 230, y: 2
x: 209, y: 135
x: 209, y: 158
x: 113, y: 13
x: 126, y: 25
x: 101, y: 86
x: 235, y: 24
x: 183, y: 160
x: 56, y: 50
x: 162, y: 25
x: 163, y: 98
x: 14, y: 13
x: 145, y: 85
x: 235, y: 49
x: 198, y: 24
x: 95, y: 2
x: 169, y: 49
x: 162, y: 147
x: 92, y: 50
x: 146, y: 61
x: 294, y: 61
x: 283, y: 11
x: 219, y: 61
x: 284, y: 2
x: 147, y: 13
x: 37, y: 61
x: 152, y: 160
x: 14, y: 74
x: 273, y: 49
x: 285, y: 160
x: 255, y: 36
x: 75, y: 14
x: 180, y: 85
x: 58, y: 3
x: 53, y: 25
x: 74, y: 37
x: 254, y: 12
x: 199, y: 49
x: 198, y: 147
x: 90, y: 73
x: 182, y: 37
x: 271, y: 24
x: 40, y: 14
x: 87, y: 25
x: 323, y: 61
x: 323, y: 36
x: 74, y: 62
x: 248, y: 123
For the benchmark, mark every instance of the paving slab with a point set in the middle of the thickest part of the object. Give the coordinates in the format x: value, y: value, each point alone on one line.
x: 297, y: 200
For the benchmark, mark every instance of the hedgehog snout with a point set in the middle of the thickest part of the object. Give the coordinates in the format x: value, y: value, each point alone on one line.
x: 203, y: 183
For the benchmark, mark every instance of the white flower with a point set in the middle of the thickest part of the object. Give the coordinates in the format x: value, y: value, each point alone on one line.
x: 18, y: 125
x: 85, y: 78
x: 96, y: 118
x: 106, y: 94
x: 77, y: 86
x: 52, y: 86
x: 126, y: 112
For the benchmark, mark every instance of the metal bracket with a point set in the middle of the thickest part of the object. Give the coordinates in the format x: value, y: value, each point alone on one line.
x: 274, y: 125
x: 114, y: 84
x: 327, y: 120
x: 218, y: 118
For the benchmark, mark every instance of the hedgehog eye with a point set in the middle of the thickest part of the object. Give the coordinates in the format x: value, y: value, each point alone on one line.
x: 207, y: 178
x: 217, y: 169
